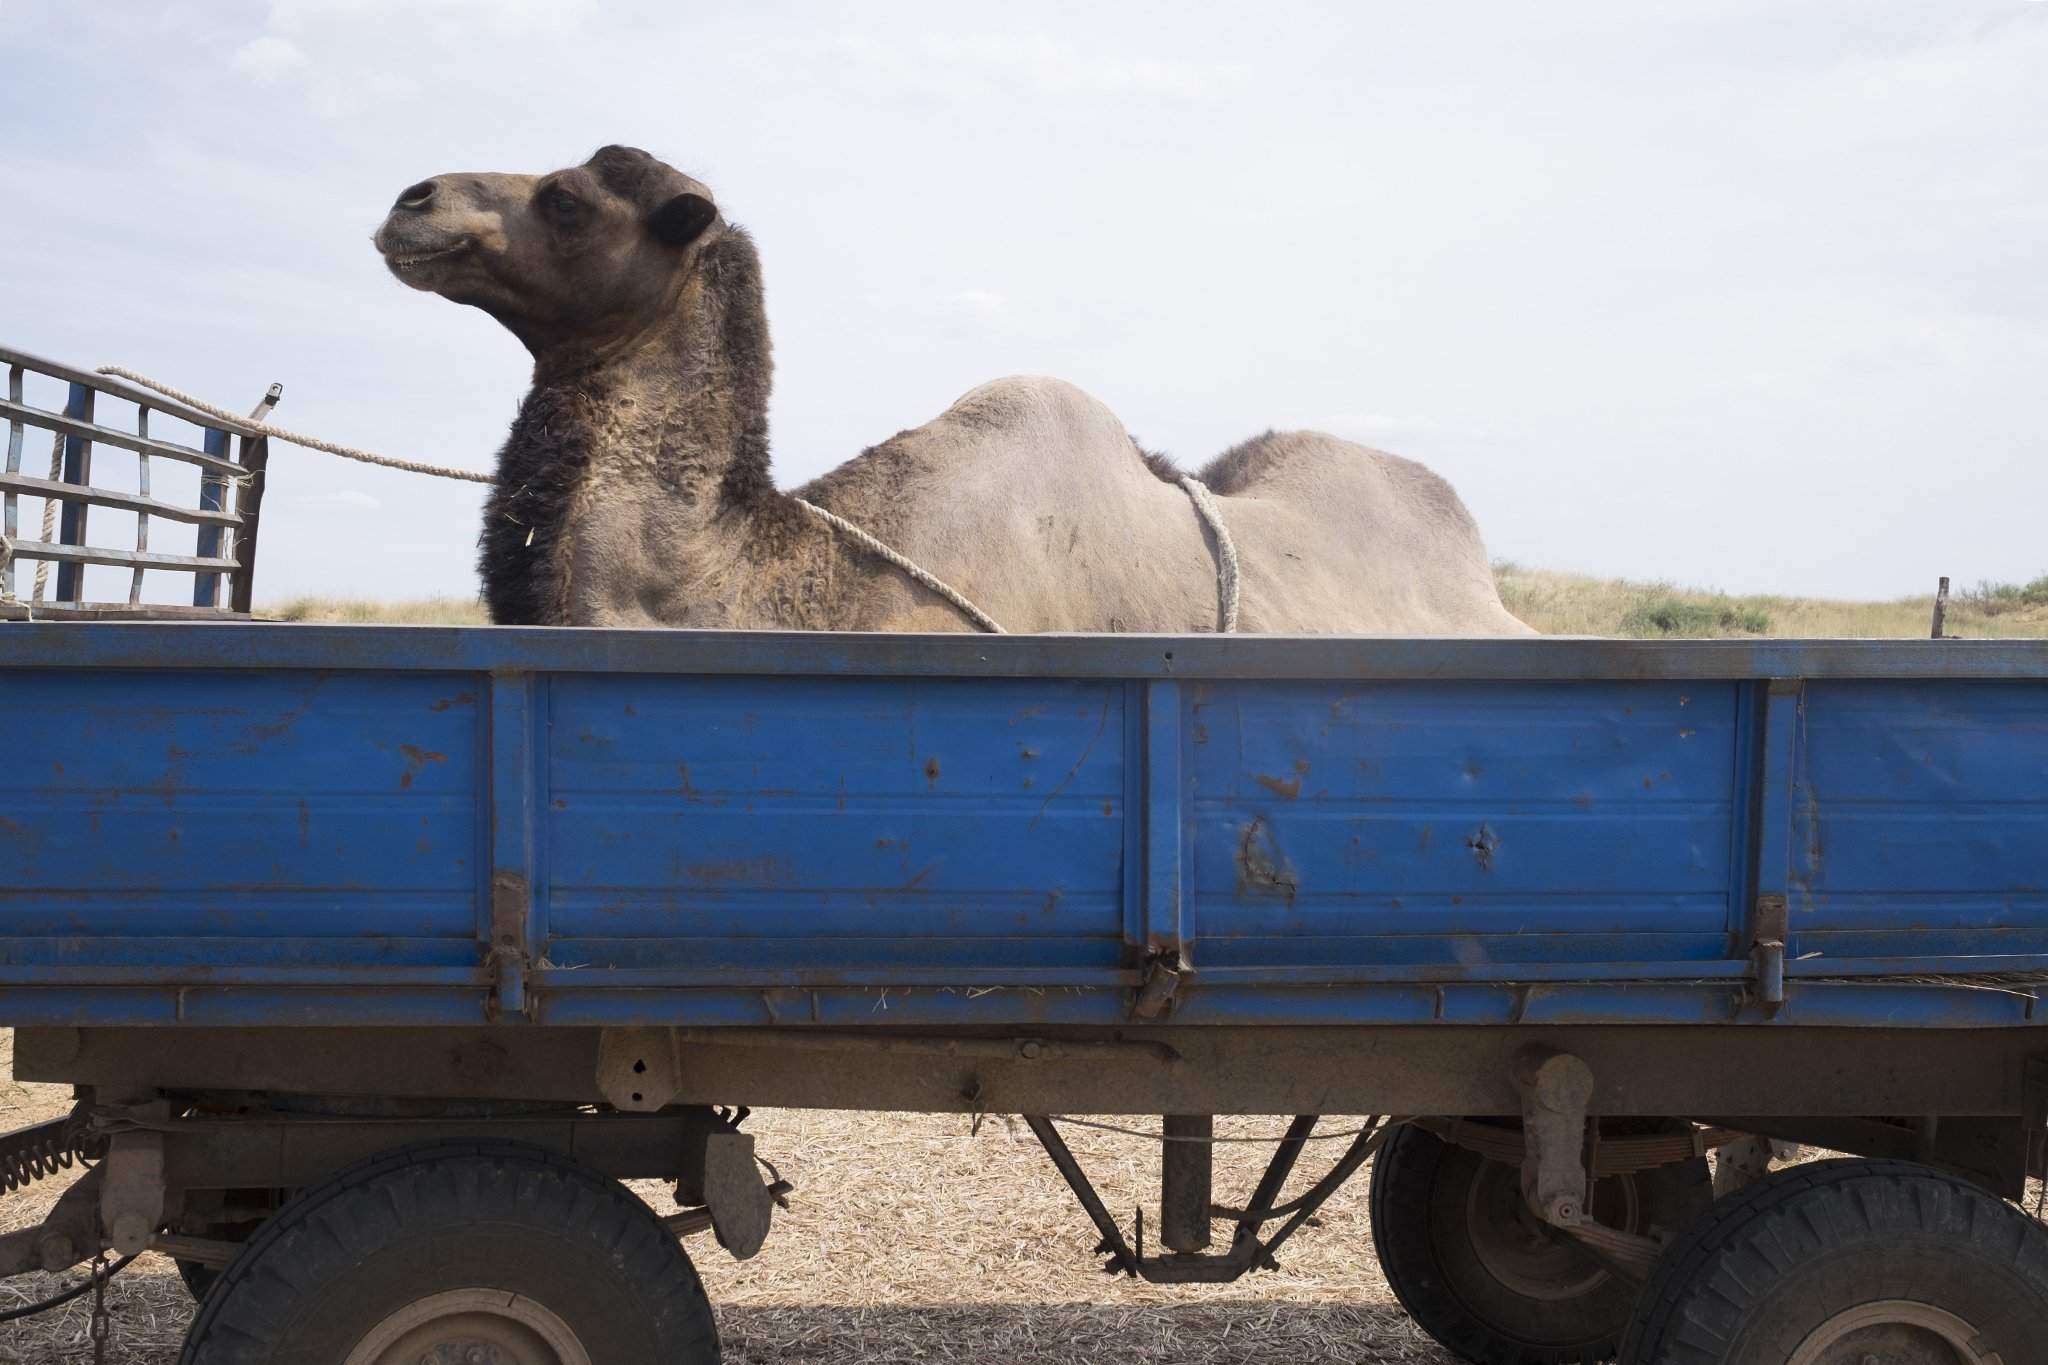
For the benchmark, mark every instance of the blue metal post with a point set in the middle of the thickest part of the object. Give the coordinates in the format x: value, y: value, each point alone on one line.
x: 1770, y: 910
x: 213, y: 490
x: 1165, y: 929
x: 77, y: 470
x: 511, y: 929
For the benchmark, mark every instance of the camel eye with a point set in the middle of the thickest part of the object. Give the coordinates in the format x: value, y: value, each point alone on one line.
x: 562, y: 206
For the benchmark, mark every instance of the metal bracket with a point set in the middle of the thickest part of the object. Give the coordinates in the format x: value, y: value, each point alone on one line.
x: 638, y: 1071
x: 1557, y: 1090
x: 1248, y: 1251
x: 1161, y: 982
x: 1769, y: 923
x: 508, y: 951
x: 132, y: 1194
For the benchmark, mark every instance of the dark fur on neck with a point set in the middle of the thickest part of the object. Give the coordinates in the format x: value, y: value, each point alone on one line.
x: 553, y: 446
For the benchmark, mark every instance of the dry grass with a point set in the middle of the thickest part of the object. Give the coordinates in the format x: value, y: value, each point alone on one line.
x: 1570, y: 604
x: 1554, y: 603
x: 429, y: 611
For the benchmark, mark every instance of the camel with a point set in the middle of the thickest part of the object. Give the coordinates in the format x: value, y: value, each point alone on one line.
x: 634, y: 489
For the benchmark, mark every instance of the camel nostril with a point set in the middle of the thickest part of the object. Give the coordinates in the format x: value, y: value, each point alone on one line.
x: 417, y: 196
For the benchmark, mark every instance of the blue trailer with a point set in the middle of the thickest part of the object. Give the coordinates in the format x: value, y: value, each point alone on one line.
x: 353, y: 935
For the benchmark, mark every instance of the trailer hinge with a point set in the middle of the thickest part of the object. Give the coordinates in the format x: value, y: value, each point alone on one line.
x: 1156, y: 990
x: 1769, y: 923
x: 508, y: 955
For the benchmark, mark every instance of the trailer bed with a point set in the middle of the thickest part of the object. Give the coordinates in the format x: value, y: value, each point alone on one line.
x: 267, y: 825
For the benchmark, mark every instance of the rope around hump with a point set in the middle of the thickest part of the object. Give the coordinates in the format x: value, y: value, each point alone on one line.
x: 1226, y: 552
x: 1197, y: 491
x: 911, y: 569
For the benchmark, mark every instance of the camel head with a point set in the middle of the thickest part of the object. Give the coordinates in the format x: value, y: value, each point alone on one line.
x: 585, y: 258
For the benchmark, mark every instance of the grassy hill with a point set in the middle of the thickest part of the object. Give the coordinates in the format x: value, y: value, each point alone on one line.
x: 1568, y: 604
x: 1554, y: 603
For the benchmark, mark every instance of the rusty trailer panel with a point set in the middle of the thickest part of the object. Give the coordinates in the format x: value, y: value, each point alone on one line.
x: 265, y: 826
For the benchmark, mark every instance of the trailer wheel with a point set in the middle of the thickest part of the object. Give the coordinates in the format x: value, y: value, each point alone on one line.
x: 199, y: 1279
x: 493, y: 1252
x: 1844, y: 1262
x: 1483, y: 1276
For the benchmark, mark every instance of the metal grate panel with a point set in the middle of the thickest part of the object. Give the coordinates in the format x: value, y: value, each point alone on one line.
x: 211, y: 481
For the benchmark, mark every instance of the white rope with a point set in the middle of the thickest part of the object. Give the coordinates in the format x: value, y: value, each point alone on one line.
x: 1226, y: 552
x: 49, y: 519
x: 1197, y: 491
x: 243, y: 424
x: 912, y: 569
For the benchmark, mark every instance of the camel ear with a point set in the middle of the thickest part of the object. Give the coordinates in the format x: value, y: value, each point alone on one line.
x: 683, y: 219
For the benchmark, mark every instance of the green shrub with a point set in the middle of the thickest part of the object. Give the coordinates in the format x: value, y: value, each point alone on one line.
x: 1994, y: 599
x: 1670, y: 616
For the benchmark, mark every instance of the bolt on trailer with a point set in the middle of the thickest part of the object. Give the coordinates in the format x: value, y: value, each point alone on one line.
x: 349, y: 937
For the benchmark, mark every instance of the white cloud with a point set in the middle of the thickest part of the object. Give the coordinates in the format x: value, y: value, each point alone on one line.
x: 358, y: 91
x: 504, y: 18
x: 978, y: 302
x: 268, y: 57
x: 1401, y: 435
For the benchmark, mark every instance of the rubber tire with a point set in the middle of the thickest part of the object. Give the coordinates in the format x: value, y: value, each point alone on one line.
x: 199, y: 1279
x: 341, y: 1257
x: 1419, y: 1192
x: 1747, y: 1283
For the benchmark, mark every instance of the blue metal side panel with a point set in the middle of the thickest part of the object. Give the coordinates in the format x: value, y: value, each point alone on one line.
x: 625, y: 827
x: 1920, y: 820
x: 768, y: 823
x: 225, y: 819
x: 1462, y: 823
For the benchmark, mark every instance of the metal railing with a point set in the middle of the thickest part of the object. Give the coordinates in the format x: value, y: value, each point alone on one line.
x: 223, y: 503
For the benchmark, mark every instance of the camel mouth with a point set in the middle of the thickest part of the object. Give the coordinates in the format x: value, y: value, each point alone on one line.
x: 413, y: 260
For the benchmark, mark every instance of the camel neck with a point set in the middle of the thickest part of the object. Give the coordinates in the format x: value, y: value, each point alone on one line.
x: 687, y: 403
x: 682, y: 414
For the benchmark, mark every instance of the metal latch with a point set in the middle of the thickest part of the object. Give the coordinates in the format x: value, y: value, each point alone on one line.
x: 1156, y: 991
x: 1769, y: 923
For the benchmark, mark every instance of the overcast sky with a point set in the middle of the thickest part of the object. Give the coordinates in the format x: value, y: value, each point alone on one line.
x: 1738, y: 293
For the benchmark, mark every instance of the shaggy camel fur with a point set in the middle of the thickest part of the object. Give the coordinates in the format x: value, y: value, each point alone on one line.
x: 635, y: 488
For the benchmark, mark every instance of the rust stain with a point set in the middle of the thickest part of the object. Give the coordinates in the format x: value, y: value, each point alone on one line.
x: 1109, y: 808
x: 459, y: 699
x: 1261, y: 869
x: 416, y: 760
x: 1428, y: 837
x: 1584, y: 800
x: 931, y: 770
x: 1687, y: 734
x: 1286, y: 790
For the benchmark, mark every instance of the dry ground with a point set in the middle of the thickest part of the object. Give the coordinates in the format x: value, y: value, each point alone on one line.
x: 909, y: 1243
